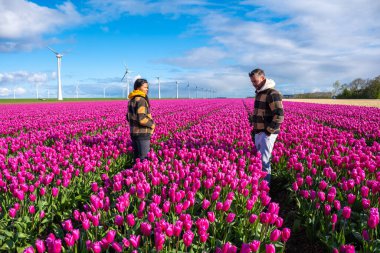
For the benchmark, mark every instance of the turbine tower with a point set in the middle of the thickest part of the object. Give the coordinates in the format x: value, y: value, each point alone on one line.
x: 176, y: 82
x: 159, y: 89
x: 59, y: 59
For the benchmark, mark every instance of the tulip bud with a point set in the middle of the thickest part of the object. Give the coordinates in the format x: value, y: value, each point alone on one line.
x: 117, y: 247
x: 211, y: 216
x: 275, y: 235
x: 269, y: 248
x: 254, y: 246
x: 54, y: 192
x: 188, y: 237
x: 29, y: 249
x: 285, y: 234
x: 346, y: 213
x: 40, y: 246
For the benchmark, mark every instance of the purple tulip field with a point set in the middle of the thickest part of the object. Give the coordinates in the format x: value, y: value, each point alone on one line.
x: 67, y: 183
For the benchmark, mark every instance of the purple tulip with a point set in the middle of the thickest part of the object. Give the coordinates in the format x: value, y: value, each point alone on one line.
x: 346, y: 213
x: 69, y: 239
x: 230, y: 217
x: 285, y: 234
x: 117, y: 247
x: 135, y: 241
x: 188, y: 237
x: 275, y: 235
x: 254, y: 246
x: 269, y: 248
x: 131, y: 220
x: 29, y: 249
x: 351, y: 198
x: 211, y: 216
x: 110, y: 236
x: 40, y: 246
x: 12, y: 212
x: 76, y: 234
x: 54, y: 192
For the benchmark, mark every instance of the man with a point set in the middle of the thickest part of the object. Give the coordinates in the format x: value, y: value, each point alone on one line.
x: 267, y: 117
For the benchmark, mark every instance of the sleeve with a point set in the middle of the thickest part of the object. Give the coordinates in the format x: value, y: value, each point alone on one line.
x: 275, y: 105
x: 142, y: 114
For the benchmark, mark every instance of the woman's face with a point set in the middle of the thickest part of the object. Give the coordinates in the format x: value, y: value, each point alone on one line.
x: 144, y: 88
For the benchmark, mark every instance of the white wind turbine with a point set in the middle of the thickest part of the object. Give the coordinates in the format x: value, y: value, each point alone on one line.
x: 59, y: 59
x: 127, y: 71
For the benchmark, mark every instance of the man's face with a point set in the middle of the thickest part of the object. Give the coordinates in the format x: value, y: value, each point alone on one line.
x: 256, y: 80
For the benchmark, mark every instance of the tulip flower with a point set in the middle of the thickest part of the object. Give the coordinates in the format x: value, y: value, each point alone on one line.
x: 131, y: 220
x: 76, y: 234
x: 346, y: 213
x: 254, y: 246
x: 96, y: 247
x: 365, y: 235
x: 285, y: 234
x: 159, y: 241
x: 211, y: 216
x: 135, y: 241
x: 146, y: 228
x: 188, y: 237
x: 366, y: 203
x: 351, y: 198
x: 126, y: 243
x: 67, y: 225
x: 275, y: 235
x: 269, y: 248
x: 117, y: 247
x: 54, y: 192
x: 110, y: 236
x: 12, y: 212
x: 205, y: 204
x: 69, y: 239
x: 42, y: 214
x: 119, y: 220
x: 230, y: 217
x: 29, y: 249
x: 252, y: 218
x: 245, y: 248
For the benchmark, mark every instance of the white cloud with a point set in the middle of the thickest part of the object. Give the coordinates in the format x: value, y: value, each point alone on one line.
x: 24, y: 24
x: 22, y: 77
x: 23, y: 19
x: 4, y: 92
x: 145, y: 7
x: 38, y: 78
x: 20, y: 91
x: 308, y: 44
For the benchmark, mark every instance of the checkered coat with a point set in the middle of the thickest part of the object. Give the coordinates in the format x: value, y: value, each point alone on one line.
x: 268, y: 113
x: 139, y: 116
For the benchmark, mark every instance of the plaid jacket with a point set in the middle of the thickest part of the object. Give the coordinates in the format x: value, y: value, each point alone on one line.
x: 139, y: 117
x: 268, y: 112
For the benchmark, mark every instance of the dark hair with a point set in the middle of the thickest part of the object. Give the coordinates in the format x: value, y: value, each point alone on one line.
x: 139, y: 82
x: 259, y: 72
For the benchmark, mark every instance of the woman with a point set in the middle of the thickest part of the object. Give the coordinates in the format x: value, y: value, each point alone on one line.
x: 140, y: 119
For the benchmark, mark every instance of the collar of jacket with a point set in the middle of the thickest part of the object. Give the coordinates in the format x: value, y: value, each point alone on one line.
x: 269, y: 84
x: 135, y: 93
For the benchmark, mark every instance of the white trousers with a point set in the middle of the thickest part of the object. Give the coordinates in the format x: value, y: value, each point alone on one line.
x: 264, y: 144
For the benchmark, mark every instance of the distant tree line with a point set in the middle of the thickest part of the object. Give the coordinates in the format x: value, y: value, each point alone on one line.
x: 358, y: 88
x: 314, y: 95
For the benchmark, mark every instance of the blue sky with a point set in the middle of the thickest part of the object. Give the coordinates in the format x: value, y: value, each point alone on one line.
x: 304, y: 46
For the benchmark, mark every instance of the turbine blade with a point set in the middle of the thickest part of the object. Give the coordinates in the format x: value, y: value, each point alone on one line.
x: 52, y: 50
x: 124, y: 76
